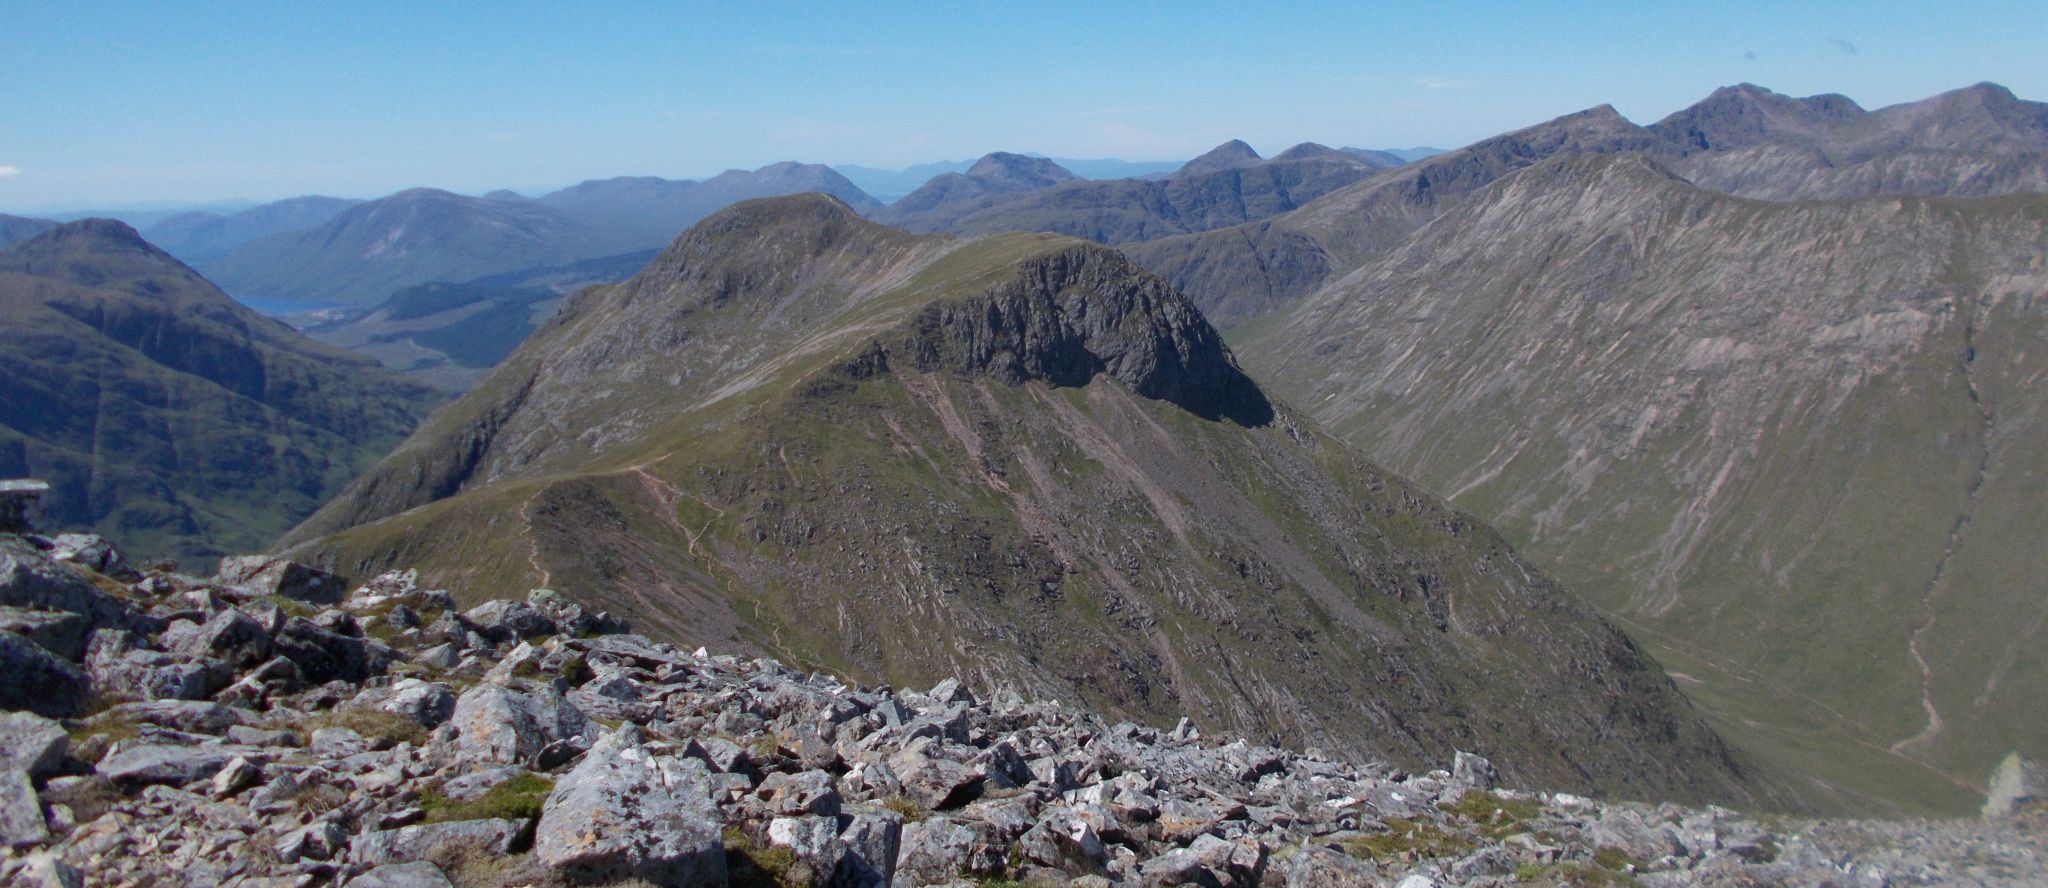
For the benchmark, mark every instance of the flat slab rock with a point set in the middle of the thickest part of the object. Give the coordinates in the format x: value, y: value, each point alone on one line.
x: 624, y: 812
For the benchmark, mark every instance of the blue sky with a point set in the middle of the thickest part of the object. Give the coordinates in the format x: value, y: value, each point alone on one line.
x: 120, y: 104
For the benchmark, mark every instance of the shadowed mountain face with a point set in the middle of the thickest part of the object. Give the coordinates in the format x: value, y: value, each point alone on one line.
x: 1227, y: 186
x: 1743, y: 140
x: 166, y: 415
x: 1794, y: 446
x: 1019, y: 459
x: 15, y: 229
x: 201, y: 238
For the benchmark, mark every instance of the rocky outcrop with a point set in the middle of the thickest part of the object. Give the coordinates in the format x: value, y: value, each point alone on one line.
x: 744, y: 771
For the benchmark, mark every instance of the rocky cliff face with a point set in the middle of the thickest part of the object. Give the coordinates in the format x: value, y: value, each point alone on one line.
x: 1014, y: 460
x: 269, y: 726
x: 1788, y: 443
x: 162, y: 410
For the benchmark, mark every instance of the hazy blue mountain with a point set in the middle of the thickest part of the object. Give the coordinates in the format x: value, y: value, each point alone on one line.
x: 202, y: 237
x: 15, y: 229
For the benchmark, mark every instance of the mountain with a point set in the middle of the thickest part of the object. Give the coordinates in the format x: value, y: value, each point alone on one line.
x: 1795, y: 447
x: 950, y: 196
x: 449, y: 334
x: 654, y: 210
x: 890, y: 186
x: 160, y: 409
x: 15, y: 229
x: 365, y: 254
x: 413, y: 237
x: 198, y: 238
x: 1240, y: 272
x: 1227, y: 186
x: 1750, y: 141
x: 1742, y: 140
x: 1020, y: 459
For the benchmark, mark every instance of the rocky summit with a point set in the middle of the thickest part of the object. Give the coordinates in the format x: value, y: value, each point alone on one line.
x: 265, y: 727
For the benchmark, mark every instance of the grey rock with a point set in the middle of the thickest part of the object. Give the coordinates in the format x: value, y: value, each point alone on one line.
x: 428, y: 704
x: 814, y: 840
x: 1473, y: 772
x: 499, y: 725
x: 238, y: 775
x: 149, y: 675
x: 35, y: 680
x: 1315, y: 866
x: 31, y: 744
x: 324, y: 655
x: 417, y: 874
x: 941, y: 849
x: 873, y: 838
x: 48, y: 871
x: 93, y: 553
x: 936, y: 783
x: 1628, y: 831
x: 190, y: 716
x: 144, y: 764
x: 60, y: 632
x: 506, y: 620
x: 265, y: 575
x: 808, y: 792
x: 29, y: 579
x: 429, y: 840
x: 231, y: 636
x: 320, y: 840
x: 247, y: 736
x: 21, y: 813
x: 624, y: 812
x: 1064, y: 841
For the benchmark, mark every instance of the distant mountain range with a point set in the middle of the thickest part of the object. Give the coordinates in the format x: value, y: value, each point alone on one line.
x: 163, y: 412
x: 15, y: 229
x: 1226, y: 186
x: 199, y: 238
x: 889, y: 185
x: 1021, y: 459
x: 366, y: 252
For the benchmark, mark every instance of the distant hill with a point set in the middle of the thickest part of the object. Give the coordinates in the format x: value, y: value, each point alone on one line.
x: 653, y: 210
x: 889, y: 185
x: 15, y: 229
x: 370, y: 250
x: 1226, y: 186
x: 166, y: 415
x: 201, y: 237
x: 366, y: 253
x: 1018, y: 459
x: 950, y: 196
x: 1795, y: 447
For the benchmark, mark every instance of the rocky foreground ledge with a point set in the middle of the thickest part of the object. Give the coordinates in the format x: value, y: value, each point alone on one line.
x: 269, y: 727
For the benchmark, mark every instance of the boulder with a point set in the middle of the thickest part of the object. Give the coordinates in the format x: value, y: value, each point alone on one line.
x: 231, y: 636
x: 92, y: 553
x: 36, y: 680
x: 942, y: 849
x: 21, y: 813
x: 143, y: 764
x: 430, y: 840
x: 189, y: 716
x: 324, y: 655
x: 266, y: 575
x: 1473, y: 772
x: 428, y: 704
x: 30, y: 580
x: 32, y: 744
x: 1315, y: 866
x: 499, y: 725
x: 60, y: 632
x: 814, y: 840
x: 808, y: 792
x: 149, y: 675
x: 47, y: 870
x: 507, y: 620
x: 417, y: 874
x: 626, y: 813
x: 872, y: 838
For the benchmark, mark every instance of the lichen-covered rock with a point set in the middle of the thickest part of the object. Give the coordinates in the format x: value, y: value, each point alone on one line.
x: 143, y: 764
x: 499, y: 725
x: 21, y: 814
x: 417, y: 874
x: 2017, y: 781
x: 430, y: 840
x: 626, y: 812
x: 266, y: 575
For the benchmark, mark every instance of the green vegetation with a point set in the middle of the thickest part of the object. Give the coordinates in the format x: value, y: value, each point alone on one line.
x: 1409, y: 840
x: 1496, y: 818
x: 373, y: 724
x: 519, y: 798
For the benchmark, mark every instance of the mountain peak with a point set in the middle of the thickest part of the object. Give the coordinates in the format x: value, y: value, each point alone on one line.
x: 1230, y: 155
x: 1018, y: 172
x: 90, y: 238
x: 1313, y: 150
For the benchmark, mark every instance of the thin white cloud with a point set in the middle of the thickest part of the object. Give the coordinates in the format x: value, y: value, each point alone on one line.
x: 1441, y: 83
x: 9, y: 172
